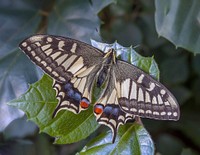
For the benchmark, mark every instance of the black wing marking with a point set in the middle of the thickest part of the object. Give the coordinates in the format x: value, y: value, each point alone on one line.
x: 139, y: 94
x: 107, y: 109
x: 61, y: 57
x: 69, y: 98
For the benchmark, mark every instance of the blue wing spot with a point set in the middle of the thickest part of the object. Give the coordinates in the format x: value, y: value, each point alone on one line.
x: 70, y: 93
x: 77, y: 96
x: 68, y: 86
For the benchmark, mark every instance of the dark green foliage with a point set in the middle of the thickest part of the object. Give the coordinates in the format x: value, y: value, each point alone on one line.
x: 178, y: 21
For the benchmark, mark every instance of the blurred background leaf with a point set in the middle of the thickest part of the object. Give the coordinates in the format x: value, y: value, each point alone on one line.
x: 18, y: 20
x: 179, y: 22
x: 76, y: 19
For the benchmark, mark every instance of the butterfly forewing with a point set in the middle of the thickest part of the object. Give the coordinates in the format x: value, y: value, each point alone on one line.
x: 60, y: 57
x: 139, y: 94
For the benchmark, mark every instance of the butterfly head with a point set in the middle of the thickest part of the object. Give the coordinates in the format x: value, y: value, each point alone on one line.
x: 110, y: 56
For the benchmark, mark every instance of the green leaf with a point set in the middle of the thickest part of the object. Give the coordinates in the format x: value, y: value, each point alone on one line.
x: 132, y: 139
x: 178, y: 21
x: 39, y: 103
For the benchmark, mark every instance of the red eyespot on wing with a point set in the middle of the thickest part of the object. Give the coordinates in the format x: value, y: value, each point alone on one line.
x: 98, y: 109
x: 84, y: 103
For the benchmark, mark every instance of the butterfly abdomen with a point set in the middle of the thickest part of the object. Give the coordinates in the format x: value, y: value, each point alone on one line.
x: 102, y: 76
x: 109, y: 60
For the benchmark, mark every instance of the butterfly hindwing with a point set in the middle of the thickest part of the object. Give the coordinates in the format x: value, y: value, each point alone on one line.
x: 75, y: 95
x: 69, y: 98
x: 139, y: 94
x: 112, y: 116
x: 107, y: 109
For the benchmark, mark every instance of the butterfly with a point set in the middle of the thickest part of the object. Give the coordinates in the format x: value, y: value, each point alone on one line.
x: 77, y: 68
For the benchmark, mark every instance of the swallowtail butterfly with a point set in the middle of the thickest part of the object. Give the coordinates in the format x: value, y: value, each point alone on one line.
x: 77, y: 67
